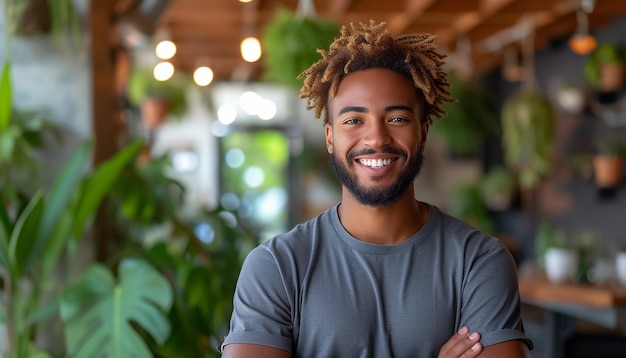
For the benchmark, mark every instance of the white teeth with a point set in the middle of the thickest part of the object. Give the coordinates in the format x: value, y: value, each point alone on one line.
x: 375, y: 163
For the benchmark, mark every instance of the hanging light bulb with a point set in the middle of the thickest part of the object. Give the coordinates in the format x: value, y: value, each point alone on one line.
x: 582, y: 42
x: 165, y: 49
x: 203, y: 76
x: 251, y: 49
x: 163, y: 71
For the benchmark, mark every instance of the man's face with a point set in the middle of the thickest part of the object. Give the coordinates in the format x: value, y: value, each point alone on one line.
x: 376, y: 135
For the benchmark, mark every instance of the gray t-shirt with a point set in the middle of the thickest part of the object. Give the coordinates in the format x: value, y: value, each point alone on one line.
x: 316, y: 291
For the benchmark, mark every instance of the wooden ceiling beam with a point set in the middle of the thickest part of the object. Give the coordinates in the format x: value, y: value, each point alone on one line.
x: 470, y: 20
x: 338, y: 9
x: 415, y: 8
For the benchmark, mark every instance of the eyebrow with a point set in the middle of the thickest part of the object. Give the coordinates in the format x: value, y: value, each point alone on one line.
x: 396, y: 107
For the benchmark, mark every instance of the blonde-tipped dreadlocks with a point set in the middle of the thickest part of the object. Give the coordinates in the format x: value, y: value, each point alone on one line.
x: 372, y: 46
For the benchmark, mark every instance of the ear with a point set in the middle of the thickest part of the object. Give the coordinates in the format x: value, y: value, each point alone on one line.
x: 329, y: 138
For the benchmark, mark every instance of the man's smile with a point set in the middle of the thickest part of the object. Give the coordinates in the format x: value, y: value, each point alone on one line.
x: 376, y: 163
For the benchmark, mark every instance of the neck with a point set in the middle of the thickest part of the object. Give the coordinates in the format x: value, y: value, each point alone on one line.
x: 383, y: 225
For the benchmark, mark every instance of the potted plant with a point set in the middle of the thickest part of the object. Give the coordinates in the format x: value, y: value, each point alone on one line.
x: 588, y: 245
x: 528, y: 131
x: 608, y: 161
x: 290, y: 43
x: 604, y: 68
x: 156, y: 99
x: 558, y: 257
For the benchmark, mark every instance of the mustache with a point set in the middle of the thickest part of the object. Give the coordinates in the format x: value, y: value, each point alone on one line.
x: 370, y: 151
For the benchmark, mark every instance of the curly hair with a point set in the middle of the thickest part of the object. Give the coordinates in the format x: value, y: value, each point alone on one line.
x: 365, y: 46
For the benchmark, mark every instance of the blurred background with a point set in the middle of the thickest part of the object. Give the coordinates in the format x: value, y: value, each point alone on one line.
x: 147, y: 145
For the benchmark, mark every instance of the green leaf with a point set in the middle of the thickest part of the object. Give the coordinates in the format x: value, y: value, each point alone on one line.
x: 5, y: 232
x: 97, y: 312
x: 6, y: 94
x: 99, y: 184
x: 60, y: 195
x: 23, y: 235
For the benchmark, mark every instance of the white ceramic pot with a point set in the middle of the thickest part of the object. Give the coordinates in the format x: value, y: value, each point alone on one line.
x: 620, y: 267
x: 561, y: 264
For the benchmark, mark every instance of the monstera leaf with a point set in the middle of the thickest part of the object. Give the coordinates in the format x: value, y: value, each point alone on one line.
x: 97, y: 311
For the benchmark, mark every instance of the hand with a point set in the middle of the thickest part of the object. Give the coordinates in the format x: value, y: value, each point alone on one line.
x: 462, y: 345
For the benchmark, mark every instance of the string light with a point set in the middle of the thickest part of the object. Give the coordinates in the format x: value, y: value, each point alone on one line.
x: 163, y: 71
x: 251, y: 49
x: 203, y: 76
x: 165, y: 49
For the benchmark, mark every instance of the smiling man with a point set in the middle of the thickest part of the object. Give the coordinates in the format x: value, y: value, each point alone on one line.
x: 381, y: 274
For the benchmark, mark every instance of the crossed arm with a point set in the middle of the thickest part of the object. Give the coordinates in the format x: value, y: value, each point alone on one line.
x: 460, y: 345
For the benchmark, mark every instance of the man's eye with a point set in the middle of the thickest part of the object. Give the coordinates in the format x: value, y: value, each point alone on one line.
x: 397, y: 119
x: 351, y: 121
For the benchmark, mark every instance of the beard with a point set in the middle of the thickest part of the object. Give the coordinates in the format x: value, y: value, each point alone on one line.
x: 376, y: 196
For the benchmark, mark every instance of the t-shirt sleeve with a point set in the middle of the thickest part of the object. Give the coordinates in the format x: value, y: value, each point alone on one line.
x: 261, y: 312
x: 491, y: 303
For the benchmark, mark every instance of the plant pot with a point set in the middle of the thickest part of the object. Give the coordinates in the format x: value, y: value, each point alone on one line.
x: 153, y: 112
x: 561, y: 264
x: 611, y: 77
x: 608, y: 171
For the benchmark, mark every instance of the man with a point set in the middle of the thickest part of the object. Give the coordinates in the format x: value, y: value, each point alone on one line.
x: 380, y: 274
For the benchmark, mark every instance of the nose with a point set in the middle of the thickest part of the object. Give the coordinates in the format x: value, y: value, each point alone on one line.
x: 377, y: 134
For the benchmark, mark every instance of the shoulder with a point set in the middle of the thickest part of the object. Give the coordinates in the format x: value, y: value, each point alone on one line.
x: 298, y: 243
x: 460, y: 232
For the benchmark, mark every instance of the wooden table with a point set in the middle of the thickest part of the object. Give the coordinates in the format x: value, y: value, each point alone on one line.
x: 563, y: 304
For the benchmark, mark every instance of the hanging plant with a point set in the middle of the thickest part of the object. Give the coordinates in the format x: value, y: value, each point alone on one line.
x: 604, y: 68
x: 156, y: 99
x: 42, y: 17
x: 528, y: 130
x: 468, y: 122
x: 290, y: 43
x: 528, y: 126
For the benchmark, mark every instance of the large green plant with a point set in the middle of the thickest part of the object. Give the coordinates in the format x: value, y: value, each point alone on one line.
x: 21, y: 135
x: 99, y: 312
x: 32, y: 241
x: 199, y: 251
x: 290, y: 43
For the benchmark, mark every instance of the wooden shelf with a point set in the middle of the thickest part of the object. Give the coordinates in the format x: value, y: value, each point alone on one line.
x: 537, y: 287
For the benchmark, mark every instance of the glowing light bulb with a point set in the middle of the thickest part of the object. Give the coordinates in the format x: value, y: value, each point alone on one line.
x: 163, y: 71
x: 251, y: 49
x: 165, y: 50
x: 203, y: 76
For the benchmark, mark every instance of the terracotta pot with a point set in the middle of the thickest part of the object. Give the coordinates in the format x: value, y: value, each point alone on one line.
x: 153, y: 112
x: 608, y: 171
x: 611, y: 77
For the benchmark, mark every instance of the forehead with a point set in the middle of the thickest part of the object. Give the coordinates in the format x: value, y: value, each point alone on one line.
x: 376, y: 86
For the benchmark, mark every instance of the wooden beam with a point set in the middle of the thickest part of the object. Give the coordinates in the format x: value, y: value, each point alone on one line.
x: 467, y: 22
x: 338, y: 9
x: 103, y: 97
x: 106, y: 117
x: 398, y: 24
